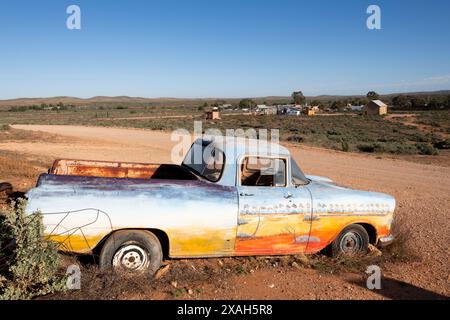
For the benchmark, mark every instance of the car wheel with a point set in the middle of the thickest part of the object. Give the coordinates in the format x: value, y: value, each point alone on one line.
x: 353, y: 240
x: 132, y: 251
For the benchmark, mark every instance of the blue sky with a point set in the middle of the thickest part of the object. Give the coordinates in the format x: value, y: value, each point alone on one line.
x: 221, y: 48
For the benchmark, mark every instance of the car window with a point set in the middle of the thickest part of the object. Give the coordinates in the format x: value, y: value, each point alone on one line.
x: 205, y: 160
x: 298, y: 178
x: 260, y: 171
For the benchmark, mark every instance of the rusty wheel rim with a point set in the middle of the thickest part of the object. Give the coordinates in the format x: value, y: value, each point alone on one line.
x: 131, y: 258
x: 351, y: 243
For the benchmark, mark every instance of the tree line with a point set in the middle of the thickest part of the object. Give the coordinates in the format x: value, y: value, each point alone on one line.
x: 42, y: 106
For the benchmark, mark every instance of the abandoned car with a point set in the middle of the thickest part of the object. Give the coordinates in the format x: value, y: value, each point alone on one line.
x: 240, y: 197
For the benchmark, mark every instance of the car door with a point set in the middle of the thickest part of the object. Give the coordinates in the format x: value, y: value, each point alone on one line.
x: 274, y: 216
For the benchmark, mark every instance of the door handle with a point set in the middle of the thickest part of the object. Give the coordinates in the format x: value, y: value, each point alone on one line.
x: 244, y: 194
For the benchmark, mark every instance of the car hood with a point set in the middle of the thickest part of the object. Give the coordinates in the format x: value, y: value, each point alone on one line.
x: 329, y: 197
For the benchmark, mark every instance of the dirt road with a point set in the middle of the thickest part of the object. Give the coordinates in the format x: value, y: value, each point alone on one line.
x: 422, y: 192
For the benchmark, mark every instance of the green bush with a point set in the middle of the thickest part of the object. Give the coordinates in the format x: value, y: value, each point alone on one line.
x: 295, y: 138
x: 426, y: 149
x: 28, y: 262
x: 18, y: 109
x: 344, y: 146
x: 417, y: 137
x: 401, y: 148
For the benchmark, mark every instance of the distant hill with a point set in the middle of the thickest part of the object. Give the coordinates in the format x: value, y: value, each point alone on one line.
x: 99, y: 100
x: 421, y: 93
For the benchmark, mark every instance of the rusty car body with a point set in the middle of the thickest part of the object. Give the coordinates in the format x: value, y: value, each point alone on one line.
x: 226, y: 204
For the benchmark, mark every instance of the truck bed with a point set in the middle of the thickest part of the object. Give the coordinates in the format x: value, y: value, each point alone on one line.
x: 109, y: 169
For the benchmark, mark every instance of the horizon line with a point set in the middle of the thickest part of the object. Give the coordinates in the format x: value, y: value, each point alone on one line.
x: 212, y: 98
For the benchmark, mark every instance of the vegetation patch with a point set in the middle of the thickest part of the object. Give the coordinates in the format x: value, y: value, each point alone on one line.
x: 29, y: 263
x: 403, y: 133
x: 426, y: 149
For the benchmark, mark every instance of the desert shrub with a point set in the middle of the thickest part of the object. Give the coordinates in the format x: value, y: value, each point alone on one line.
x: 366, y: 147
x: 5, y: 127
x: 426, y: 149
x: 401, y: 148
x: 18, y: 109
x: 344, y: 146
x: 417, y: 137
x: 443, y: 144
x: 28, y: 262
x: 403, y: 248
x: 295, y: 138
x: 429, y: 123
x: 334, y: 138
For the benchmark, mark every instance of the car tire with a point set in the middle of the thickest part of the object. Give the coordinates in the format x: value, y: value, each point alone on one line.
x: 132, y: 251
x: 352, y: 241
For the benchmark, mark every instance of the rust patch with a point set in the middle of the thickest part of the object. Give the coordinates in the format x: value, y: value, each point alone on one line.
x: 104, y: 169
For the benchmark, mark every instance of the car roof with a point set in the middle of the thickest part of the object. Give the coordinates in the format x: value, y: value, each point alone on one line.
x: 234, y: 147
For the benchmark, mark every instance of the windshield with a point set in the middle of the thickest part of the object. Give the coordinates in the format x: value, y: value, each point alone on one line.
x: 298, y: 178
x: 205, y: 160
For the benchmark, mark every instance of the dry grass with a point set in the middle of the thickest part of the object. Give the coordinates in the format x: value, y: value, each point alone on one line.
x: 184, y: 277
x: 16, y: 135
x: 402, y: 249
x: 19, y: 170
x: 16, y: 166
